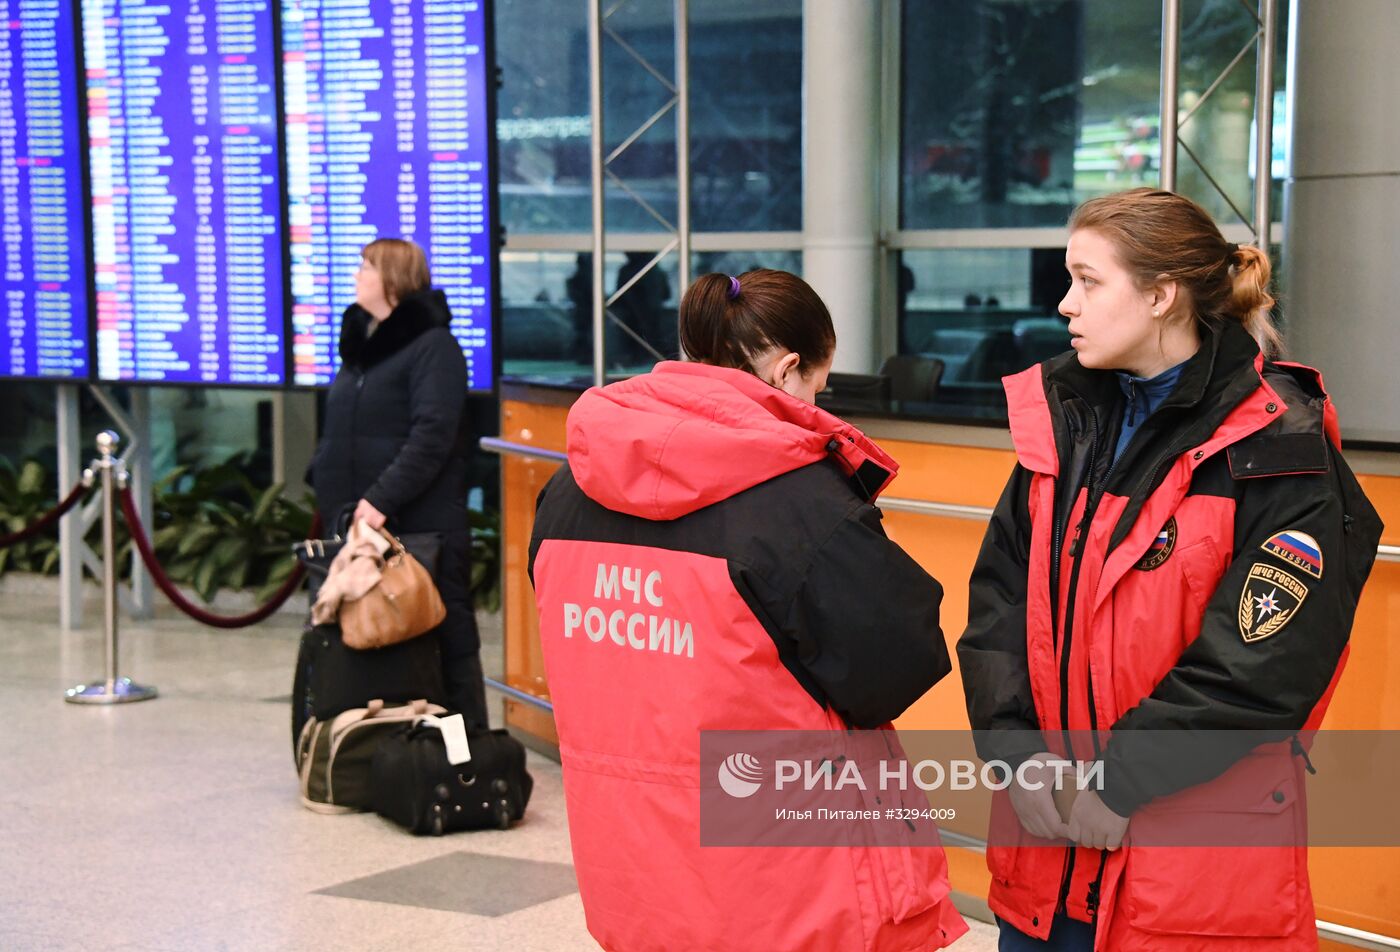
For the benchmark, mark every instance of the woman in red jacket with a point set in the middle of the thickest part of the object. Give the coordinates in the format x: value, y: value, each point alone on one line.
x: 711, y: 559
x: 1180, y: 549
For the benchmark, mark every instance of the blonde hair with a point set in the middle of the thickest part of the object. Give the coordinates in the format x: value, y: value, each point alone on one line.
x: 1161, y: 236
x: 402, y: 267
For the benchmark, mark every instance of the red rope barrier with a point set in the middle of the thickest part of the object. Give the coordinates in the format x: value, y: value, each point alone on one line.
x: 48, y: 519
x: 163, y: 582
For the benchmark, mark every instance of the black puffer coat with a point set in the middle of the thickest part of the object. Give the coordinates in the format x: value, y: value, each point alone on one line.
x: 393, y: 429
x: 395, y: 434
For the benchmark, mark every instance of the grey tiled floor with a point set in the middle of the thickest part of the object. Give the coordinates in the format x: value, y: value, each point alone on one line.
x: 174, y: 824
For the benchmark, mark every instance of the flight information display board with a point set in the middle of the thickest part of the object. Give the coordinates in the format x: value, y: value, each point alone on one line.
x: 186, y: 190
x: 388, y: 136
x: 43, y: 255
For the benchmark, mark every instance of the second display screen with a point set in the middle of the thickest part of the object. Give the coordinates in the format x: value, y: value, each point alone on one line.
x: 187, y: 245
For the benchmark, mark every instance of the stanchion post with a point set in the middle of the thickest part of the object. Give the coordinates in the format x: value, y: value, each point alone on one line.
x: 113, y: 689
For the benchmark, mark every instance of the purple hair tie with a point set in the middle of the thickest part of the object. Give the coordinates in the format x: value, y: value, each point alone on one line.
x: 733, y: 288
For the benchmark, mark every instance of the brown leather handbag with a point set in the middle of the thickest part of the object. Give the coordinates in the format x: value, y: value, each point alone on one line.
x: 403, y: 605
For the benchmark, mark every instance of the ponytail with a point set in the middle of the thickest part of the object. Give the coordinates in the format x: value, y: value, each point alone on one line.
x: 729, y: 322
x: 1250, y: 301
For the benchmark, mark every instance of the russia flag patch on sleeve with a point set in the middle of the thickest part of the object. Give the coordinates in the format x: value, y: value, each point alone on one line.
x: 1296, y: 548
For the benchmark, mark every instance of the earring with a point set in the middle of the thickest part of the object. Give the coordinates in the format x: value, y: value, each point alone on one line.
x: 1156, y: 313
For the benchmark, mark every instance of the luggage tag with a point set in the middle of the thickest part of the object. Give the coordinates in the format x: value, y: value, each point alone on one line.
x: 454, y: 736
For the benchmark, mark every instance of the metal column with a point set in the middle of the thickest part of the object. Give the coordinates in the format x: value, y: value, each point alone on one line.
x: 1171, y: 90
x: 595, y: 103
x: 1262, y: 42
x: 683, y: 143
x: 72, y: 527
x: 1264, y: 123
x: 602, y: 174
x: 841, y: 77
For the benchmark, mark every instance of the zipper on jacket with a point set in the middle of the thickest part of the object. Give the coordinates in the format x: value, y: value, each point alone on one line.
x: 1091, y: 503
x: 1064, y: 643
x: 1300, y: 751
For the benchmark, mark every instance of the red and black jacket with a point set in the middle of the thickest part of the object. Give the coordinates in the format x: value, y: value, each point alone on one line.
x: 711, y: 558
x: 1119, y: 596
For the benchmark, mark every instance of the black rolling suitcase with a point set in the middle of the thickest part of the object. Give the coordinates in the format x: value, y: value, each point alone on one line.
x: 330, y: 678
x: 413, y: 783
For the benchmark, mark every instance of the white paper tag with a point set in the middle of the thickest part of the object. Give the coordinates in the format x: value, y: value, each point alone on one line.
x: 454, y: 736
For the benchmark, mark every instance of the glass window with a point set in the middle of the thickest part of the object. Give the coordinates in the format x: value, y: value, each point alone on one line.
x: 547, y: 316
x: 1222, y: 132
x: 1012, y: 113
x: 547, y: 322
x: 542, y: 120
x: 967, y: 318
x: 745, y: 115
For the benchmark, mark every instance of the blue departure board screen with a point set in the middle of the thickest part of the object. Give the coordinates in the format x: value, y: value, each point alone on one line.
x: 388, y: 136
x: 186, y: 191
x: 43, y: 255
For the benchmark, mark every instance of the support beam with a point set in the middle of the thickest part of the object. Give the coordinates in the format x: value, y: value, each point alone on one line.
x: 72, y: 527
x: 841, y: 83
x: 1171, y: 92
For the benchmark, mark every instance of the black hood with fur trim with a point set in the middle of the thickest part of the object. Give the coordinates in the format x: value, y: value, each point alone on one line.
x: 415, y: 314
x: 393, y: 426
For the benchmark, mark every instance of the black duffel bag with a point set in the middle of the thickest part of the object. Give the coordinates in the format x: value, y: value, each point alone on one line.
x: 413, y: 784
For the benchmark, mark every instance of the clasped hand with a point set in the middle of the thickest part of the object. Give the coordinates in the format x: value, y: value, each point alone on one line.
x: 1091, y: 823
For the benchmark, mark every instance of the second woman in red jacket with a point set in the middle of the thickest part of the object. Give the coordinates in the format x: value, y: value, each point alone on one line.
x: 1180, y: 550
x: 746, y: 516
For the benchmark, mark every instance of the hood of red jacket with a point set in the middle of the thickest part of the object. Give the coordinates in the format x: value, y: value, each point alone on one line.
x: 688, y: 435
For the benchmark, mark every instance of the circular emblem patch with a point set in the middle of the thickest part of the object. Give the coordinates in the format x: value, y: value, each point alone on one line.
x: 1161, y: 548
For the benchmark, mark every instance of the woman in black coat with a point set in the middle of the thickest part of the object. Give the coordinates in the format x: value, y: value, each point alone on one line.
x: 394, y: 442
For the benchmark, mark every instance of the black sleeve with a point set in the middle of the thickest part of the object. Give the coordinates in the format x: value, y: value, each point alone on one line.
x: 865, y: 622
x: 1253, y: 668
x: 437, y: 395
x: 992, y: 651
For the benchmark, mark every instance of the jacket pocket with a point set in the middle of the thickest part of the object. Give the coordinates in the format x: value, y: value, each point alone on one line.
x: 1233, y: 889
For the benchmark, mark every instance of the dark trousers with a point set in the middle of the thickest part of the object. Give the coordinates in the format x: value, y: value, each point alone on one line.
x: 460, y: 639
x: 1066, y: 935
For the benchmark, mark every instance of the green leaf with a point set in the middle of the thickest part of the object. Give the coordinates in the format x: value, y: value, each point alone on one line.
x: 265, y: 503
x: 4, y: 560
x: 32, y: 478
x: 198, y: 539
x: 182, y: 570
x: 238, y: 575
x: 281, y: 570
x: 50, y: 562
x: 228, y: 551
x: 169, y: 538
x: 206, y: 577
